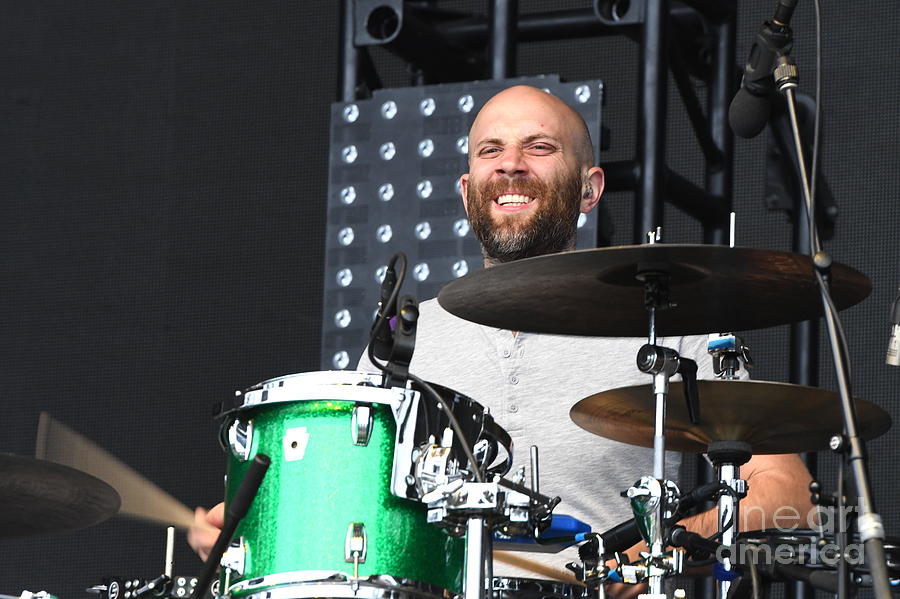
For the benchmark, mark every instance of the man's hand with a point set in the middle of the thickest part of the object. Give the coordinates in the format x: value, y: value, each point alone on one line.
x: 205, y: 530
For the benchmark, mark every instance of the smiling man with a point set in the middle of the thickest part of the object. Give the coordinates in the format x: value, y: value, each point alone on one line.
x: 531, y: 173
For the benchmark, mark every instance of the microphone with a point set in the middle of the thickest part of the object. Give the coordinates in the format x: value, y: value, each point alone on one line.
x: 893, y: 351
x: 750, y: 108
x: 625, y: 534
x: 382, y: 336
x: 621, y: 536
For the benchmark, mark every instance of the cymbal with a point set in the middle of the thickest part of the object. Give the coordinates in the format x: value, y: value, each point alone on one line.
x: 771, y: 417
x: 595, y: 292
x: 39, y: 497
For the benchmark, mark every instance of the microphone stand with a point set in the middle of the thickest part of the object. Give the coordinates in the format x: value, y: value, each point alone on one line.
x: 871, y: 529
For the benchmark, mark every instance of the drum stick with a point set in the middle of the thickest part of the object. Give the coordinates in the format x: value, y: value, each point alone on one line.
x: 511, y: 558
x: 141, y: 498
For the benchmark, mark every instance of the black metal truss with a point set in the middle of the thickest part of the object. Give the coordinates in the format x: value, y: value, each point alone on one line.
x: 689, y: 38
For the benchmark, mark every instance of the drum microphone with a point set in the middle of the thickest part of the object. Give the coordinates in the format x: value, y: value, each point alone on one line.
x: 382, y: 335
x: 626, y: 534
x: 893, y: 351
x: 237, y: 509
x: 750, y: 108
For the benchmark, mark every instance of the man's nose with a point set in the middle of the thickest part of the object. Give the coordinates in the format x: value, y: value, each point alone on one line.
x: 513, y: 162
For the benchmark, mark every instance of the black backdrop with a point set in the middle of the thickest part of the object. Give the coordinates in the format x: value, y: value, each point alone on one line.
x: 162, y: 186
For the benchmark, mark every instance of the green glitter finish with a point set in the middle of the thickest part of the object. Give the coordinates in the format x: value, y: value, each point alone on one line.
x: 300, y: 517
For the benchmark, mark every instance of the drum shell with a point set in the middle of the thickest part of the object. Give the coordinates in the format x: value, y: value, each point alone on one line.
x: 300, y: 518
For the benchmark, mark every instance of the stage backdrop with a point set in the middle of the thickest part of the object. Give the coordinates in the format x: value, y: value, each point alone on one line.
x: 163, y: 182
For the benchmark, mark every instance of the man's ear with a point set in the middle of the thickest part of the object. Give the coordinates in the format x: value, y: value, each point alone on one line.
x: 464, y: 191
x: 593, y: 189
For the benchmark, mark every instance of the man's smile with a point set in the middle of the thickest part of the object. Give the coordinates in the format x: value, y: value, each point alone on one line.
x: 513, y: 202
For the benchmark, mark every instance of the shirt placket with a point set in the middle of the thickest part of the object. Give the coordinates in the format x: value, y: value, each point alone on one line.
x: 510, y: 353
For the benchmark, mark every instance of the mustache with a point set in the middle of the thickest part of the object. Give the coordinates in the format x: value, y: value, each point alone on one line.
x: 533, y: 188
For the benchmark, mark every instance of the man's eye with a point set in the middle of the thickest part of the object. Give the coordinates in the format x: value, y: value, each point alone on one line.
x: 542, y: 147
x: 490, y: 150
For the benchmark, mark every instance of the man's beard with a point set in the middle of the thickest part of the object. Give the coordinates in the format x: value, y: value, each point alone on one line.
x: 550, y: 229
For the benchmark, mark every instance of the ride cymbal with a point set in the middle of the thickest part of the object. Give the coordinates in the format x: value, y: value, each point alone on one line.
x: 40, y: 497
x: 771, y: 417
x: 596, y: 292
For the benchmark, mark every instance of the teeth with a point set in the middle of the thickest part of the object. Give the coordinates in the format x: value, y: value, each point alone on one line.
x: 513, y: 199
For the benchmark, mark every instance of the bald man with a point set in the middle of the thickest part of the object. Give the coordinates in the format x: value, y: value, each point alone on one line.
x: 531, y: 174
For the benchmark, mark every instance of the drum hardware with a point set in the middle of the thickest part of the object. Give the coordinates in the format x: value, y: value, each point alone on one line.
x: 162, y: 587
x: 170, y: 552
x: 361, y: 423
x: 458, y: 504
x: 355, y: 549
x: 234, y: 558
x: 817, y: 496
x: 392, y: 337
x: 165, y: 586
x: 593, y: 571
x: 597, y: 549
x: 240, y: 439
x: 531, y: 588
x: 653, y: 501
x: 234, y: 513
x: 652, y: 498
x: 809, y: 555
x: 728, y: 354
x: 727, y: 457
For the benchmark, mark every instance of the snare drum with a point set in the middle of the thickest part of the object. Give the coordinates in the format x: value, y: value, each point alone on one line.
x: 331, y: 437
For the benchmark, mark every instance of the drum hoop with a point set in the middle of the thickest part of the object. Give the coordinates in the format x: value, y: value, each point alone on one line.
x: 324, y: 583
x: 514, y: 583
x: 349, y: 393
x: 323, y: 377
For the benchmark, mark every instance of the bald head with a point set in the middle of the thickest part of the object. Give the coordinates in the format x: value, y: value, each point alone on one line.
x: 527, y: 106
x: 530, y: 175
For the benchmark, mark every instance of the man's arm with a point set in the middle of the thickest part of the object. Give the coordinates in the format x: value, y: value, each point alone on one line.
x: 777, y: 496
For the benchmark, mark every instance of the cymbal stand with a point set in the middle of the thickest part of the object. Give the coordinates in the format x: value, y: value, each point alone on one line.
x: 650, y: 497
x: 728, y: 457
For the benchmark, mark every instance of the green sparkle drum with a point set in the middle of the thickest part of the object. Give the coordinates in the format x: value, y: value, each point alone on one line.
x: 325, y: 522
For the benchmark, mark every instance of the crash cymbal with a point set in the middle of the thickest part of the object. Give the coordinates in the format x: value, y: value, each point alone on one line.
x: 771, y: 417
x: 595, y: 292
x: 38, y: 497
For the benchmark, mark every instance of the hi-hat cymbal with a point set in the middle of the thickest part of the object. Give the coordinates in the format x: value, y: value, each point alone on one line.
x: 40, y: 497
x: 595, y: 292
x: 771, y: 417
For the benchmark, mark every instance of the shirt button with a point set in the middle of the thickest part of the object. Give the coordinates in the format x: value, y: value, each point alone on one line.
x: 514, y: 379
x: 505, y: 353
x: 513, y: 408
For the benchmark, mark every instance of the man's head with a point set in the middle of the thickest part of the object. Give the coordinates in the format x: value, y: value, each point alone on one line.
x: 530, y: 174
